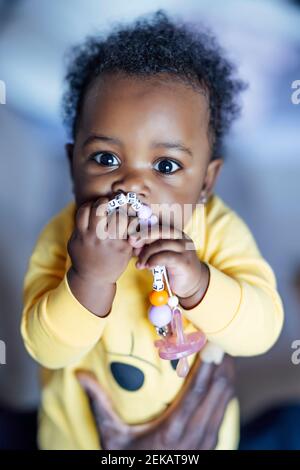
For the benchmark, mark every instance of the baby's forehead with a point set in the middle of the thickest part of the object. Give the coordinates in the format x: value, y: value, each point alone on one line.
x: 115, y: 100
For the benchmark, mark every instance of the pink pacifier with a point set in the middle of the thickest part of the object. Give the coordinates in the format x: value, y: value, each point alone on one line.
x: 164, y: 313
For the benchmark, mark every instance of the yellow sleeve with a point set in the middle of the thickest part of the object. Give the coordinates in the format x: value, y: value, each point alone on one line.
x: 57, y: 330
x: 241, y: 311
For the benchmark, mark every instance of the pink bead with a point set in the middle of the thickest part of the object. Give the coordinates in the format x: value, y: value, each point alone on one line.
x: 160, y: 316
x: 144, y: 212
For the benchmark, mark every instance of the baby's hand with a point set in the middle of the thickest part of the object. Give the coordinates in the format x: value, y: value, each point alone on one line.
x: 97, y: 256
x: 167, y: 246
x: 99, y: 251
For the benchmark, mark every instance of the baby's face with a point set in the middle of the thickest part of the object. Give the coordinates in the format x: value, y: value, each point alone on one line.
x: 148, y: 137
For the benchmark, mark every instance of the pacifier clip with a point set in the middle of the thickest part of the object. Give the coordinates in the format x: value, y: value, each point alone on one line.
x: 165, y: 313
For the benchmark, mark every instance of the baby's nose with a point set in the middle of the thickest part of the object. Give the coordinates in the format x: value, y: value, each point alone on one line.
x: 133, y: 182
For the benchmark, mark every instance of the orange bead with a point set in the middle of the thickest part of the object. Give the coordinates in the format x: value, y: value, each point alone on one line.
x: 158, y: 298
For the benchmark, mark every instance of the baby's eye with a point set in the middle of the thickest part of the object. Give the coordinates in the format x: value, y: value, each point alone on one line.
x: 167, y: 166
x: 105, y: 159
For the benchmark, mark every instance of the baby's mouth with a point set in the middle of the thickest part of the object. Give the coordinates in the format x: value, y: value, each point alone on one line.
x: 130, y: 211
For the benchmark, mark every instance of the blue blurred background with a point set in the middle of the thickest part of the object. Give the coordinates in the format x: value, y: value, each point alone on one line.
x: 260, y: 180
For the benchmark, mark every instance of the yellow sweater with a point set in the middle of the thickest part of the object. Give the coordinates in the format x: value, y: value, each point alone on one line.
x: 241, y: 312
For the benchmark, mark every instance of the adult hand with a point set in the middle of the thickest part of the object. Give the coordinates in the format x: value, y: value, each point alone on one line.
x: 190, y: 423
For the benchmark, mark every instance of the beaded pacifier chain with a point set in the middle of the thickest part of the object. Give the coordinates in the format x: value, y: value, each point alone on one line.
x: 164, y: 313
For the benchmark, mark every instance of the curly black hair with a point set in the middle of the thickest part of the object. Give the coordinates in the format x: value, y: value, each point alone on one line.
x: 151, y: 46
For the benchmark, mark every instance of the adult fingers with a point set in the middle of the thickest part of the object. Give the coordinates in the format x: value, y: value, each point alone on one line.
x: 105, y: 415
x: 207, y: 417
x: 195, y: 390
x: 202, y: 429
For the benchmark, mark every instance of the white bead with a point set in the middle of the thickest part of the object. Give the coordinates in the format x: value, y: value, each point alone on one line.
x: 121, y: 199
x: 158, y: 283
x: 136, y: 205
x: 112, y: 204
x: 158, y: 277
x: 173, y: 301
x: 158, y: 286
x: 131, y: 197
x: 157, y: 270
x: 158, y: 280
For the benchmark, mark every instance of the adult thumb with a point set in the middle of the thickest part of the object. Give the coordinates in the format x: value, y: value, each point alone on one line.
x: 101, y: 405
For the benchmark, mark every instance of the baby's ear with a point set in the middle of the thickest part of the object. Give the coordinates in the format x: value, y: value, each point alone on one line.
x: 69, y: 147
x: 212, y: 173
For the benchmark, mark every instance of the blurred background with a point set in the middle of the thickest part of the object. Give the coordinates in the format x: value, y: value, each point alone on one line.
x: 260, y: 179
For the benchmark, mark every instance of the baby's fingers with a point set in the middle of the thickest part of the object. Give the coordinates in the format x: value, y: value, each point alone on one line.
x: 82, y: 217
x: 150, y: 234
x: 97, y: 213
x: 158, y: 247
x: 119, y: 224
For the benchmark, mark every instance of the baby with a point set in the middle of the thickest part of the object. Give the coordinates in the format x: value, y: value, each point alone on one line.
x: 148, y: 107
